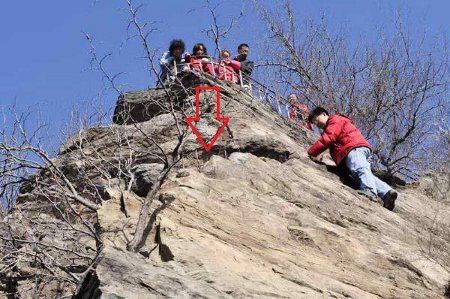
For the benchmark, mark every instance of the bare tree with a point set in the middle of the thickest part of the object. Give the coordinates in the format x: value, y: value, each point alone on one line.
x: 218, y: 31
x: 434, y: 243
x: 62, y: 245
x: 56, y: 236
x: 171, y: 105
x: 66, y: 192
x: 392, y: 90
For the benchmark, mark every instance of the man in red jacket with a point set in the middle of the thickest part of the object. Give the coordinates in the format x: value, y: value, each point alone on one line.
x: 347, y: 145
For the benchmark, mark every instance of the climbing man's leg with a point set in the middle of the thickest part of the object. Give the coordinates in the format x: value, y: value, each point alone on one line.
x: 358, y: 164
x: 382, y: 187
x: 385, y: 192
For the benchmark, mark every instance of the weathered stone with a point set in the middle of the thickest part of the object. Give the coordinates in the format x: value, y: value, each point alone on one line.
x: 139, y: 106
x: 252, y: 218
x: 146, y: 174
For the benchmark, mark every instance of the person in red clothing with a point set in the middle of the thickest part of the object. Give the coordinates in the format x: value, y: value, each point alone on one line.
x: 347, y: 145
x: 298, y: 112
x: 228, y: 68
x: 199, y: 59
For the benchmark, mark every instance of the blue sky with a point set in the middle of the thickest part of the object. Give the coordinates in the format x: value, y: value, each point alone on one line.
x: 45, y: 62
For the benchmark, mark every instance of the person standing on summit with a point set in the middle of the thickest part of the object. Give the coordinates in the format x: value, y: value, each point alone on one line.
x: 199, y: 60
x: 228, y: 68
x: 172, y: 61
x: 347, y: 145
x: 247, y: 66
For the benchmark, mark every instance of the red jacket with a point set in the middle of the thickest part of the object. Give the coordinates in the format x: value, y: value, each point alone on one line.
x: 299, y: 114
x: 229, y: 71
x: 200, y: 63
x: 340, y: 136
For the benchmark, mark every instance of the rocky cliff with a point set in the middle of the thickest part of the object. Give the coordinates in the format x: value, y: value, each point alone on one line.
x: 252, y: 218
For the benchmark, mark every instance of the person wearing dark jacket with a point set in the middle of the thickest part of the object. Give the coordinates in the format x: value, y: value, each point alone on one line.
x: 247, y: 66
x: 172, y: 60
x: 347, y: 145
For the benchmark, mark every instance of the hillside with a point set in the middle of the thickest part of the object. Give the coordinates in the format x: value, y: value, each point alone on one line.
x: 252, y: 218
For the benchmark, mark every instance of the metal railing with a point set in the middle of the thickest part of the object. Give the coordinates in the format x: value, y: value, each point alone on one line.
x: 216, y: 68
x: 275, y: 101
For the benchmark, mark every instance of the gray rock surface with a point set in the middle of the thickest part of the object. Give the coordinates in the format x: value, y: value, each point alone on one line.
x: 252, y: 218
x: 145, y: 175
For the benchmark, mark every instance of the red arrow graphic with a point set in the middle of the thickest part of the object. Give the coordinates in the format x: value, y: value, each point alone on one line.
x: 190, y: 120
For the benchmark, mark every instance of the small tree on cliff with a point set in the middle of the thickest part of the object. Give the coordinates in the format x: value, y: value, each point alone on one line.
x: 61, y: 246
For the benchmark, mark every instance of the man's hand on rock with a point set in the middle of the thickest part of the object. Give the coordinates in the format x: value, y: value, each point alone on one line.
x: 318, y: 159
x: 326, y: 156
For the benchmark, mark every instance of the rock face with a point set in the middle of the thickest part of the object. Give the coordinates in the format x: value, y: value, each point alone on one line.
x: 252, y: 218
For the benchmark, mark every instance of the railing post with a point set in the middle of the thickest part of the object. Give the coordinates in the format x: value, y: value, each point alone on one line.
x: 260, y: 94
x: 266, y: 95
x: 240, y: 78
x: 278, y: 103
x: 175, y: 67
x: 212, y: 66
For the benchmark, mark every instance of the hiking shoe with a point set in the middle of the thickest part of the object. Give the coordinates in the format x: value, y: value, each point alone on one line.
x: 369, y: 194
x: 389, y: 199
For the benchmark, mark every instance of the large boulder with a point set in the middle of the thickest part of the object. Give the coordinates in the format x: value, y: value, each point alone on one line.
x: 253, y: 217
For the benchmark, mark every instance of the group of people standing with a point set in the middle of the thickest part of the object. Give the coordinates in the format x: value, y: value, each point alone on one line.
x: 177, y: 60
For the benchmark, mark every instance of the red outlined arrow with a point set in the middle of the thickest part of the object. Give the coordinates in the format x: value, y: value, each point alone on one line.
x: 190, y: 120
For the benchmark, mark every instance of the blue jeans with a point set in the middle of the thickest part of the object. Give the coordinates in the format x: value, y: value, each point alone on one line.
x: 358, y: 163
